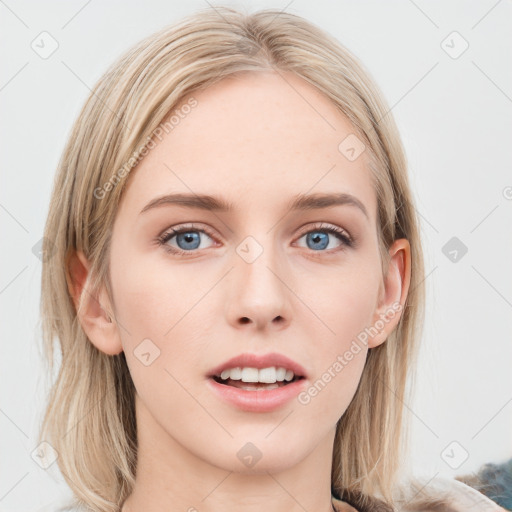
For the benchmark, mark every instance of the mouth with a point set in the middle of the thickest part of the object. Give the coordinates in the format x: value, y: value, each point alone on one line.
x: 258, y: 383
x: 258, y: 371
x: 255, y: 386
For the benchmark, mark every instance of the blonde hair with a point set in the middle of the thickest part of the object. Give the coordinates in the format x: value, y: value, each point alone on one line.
x: 90, y: 416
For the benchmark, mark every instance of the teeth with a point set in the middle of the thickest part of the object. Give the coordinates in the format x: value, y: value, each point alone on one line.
x: 266, y: 375
x: 233, y: 373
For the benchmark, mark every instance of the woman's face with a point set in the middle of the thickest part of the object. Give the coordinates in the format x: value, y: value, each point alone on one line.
x: 258, y: 278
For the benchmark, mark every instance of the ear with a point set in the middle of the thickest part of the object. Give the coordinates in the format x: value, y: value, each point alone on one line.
x: 393, y: 292
x: 93, y: 310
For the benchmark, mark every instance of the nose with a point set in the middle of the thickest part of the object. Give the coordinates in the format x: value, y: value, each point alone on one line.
x: 259, y: 294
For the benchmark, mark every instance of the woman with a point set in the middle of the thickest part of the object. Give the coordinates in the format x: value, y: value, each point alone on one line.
x: 237, y: 280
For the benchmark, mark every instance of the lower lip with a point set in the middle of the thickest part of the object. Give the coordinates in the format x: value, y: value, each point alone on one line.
x: 262, y: 400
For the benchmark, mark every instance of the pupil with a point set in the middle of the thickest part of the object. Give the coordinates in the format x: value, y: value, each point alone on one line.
x: 187, y: 239
x: 322, y: 238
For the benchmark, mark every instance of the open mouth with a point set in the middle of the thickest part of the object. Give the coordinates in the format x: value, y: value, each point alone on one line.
x: 254, y: 386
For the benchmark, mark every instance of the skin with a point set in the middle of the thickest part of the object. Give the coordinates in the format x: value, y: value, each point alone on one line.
x: 257, y: 142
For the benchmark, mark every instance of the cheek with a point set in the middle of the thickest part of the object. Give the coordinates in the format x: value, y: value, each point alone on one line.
x: 150, y: 298
x: 162, y: 312
x: 343, y: 300
x: 345, y: 305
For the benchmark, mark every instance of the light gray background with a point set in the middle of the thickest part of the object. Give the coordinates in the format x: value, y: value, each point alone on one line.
x: 454, y: 115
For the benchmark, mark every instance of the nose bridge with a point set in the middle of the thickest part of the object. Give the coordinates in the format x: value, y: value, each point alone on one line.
x: 259, y: 259
x: 259, y: 293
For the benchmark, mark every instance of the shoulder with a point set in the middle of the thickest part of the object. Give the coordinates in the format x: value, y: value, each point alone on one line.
x: 494, y: 480
x: 442, y: 494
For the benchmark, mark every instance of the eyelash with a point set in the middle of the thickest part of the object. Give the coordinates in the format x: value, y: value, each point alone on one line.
x: 341, y: 234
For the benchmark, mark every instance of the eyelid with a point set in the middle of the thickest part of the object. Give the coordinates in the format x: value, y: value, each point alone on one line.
x: 168, y: 233
x: 326, y: 226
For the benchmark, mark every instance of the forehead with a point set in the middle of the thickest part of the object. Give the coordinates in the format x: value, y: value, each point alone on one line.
x: 255, y: 139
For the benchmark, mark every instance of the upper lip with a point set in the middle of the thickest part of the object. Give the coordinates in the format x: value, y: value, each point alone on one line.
x: 260, y: 361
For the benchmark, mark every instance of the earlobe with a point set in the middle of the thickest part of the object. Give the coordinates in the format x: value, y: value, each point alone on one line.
x: 394, y: 292
x: 93, y: 309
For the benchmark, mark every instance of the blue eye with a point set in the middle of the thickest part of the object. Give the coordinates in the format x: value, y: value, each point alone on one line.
x: 188, y: 239
x: 318, y: 239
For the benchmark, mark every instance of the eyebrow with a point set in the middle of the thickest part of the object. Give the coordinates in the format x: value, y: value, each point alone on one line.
x: 300, y: 202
